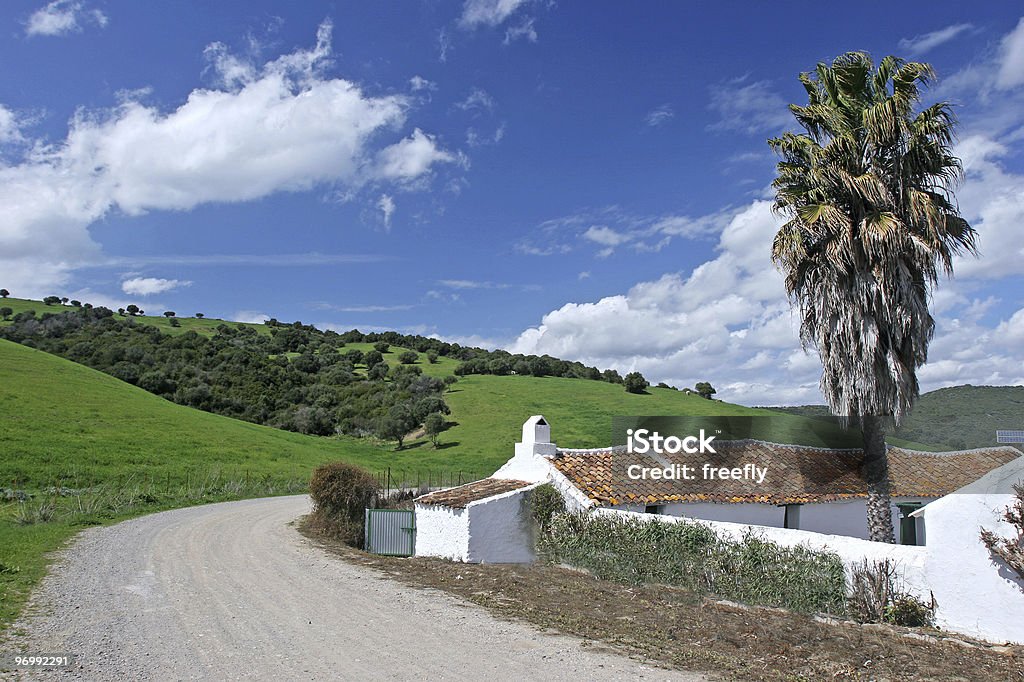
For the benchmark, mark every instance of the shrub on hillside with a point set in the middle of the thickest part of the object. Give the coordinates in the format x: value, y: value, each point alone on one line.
x: 341, y: 493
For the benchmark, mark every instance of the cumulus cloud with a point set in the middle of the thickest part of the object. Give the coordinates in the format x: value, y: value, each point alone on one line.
x: 926, y: 42
x: 729, y: 321
x: 283, y: 126
x: 410, y: 158
x: 147, y: 286
x: 992, y: 200
x: 61, y: 17
x: 476, y: 13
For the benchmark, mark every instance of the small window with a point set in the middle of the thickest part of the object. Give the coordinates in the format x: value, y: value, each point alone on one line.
x: 654, y: 509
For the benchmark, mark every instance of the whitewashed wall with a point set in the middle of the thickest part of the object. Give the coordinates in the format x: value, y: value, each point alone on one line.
x: 501, y: 529
x: 834, y: 518
x: 975, y: 595
x: 442, y: 532
x: 497, y: 529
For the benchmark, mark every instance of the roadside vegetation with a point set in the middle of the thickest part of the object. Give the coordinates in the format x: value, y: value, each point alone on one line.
x: 691, y: 555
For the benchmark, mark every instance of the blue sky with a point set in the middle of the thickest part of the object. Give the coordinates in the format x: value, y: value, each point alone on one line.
x: 589, y: 180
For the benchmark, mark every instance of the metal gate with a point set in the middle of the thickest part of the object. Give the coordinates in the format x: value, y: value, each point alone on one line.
x: 391, y: 532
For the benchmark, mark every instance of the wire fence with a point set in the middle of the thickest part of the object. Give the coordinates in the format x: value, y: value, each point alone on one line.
x: 424, y: 479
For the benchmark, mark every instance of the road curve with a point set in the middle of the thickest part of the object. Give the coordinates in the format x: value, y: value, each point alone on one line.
x: 232, y: 591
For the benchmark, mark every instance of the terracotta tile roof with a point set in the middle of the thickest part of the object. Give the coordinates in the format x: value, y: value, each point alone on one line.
x: 795, y: 474
x: 458, y: 498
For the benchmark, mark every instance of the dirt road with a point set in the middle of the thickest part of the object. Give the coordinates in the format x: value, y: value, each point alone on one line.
x: 232, y: 591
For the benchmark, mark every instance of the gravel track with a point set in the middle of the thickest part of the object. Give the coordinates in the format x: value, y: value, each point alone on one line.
x: 233, y: 591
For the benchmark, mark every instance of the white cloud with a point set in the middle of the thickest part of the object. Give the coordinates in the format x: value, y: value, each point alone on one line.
x: 1011, y: 58
x: 754, y: 108
x: 419, y: 83
x: 523, y: 31
x: 478, y: 100
x: 992, y: 200
x: 612, y: 227
x: 604, y: 235
x: 476, y: 139
x: 444, y: 45
x: 471, y: 284
x: 10, y: 128
x: 61, y: 17
x: 477, y: 13
x: 920, y: 44
x: 147, y: 286
x: 283, y: 126
x: 410, y: 158
x: 387, y: 209
x: 659, y: 115
x: 250, y: 317
x: 360, y: 308
x: 729, y: 321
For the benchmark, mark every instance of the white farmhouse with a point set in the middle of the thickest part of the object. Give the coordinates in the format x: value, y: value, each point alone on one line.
x: 810, y: 496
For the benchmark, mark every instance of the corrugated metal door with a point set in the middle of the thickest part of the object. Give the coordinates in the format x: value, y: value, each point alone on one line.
x: 391, y: 532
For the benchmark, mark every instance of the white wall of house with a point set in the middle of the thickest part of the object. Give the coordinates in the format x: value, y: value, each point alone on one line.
x: 757, y: 514
x: 442, y: 532
x: 501, y: 529
x: 975, y: 594
x: 848, y: 517
x: 497, y: 529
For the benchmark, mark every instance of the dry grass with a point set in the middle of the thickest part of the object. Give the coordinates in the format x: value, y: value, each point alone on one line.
x: 679, y: 629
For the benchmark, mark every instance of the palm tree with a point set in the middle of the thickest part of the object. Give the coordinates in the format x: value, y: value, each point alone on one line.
x: 867, y: 189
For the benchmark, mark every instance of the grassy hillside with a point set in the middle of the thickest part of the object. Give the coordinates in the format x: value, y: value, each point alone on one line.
x: 90, y: 449
x: 954, y: 418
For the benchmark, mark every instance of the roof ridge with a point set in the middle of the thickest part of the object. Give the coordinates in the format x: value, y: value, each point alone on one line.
x: 947, y: 453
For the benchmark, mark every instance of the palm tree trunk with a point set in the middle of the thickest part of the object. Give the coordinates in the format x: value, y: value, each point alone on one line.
x: 876, y: 473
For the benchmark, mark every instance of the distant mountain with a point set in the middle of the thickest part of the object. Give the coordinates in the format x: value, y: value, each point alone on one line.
x: 957, y: 417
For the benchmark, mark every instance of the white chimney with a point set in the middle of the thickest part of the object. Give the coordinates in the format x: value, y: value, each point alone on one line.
x: 529, y: 464
x: 536, y: 430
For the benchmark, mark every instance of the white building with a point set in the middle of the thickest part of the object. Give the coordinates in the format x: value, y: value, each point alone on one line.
x: 813, y: 497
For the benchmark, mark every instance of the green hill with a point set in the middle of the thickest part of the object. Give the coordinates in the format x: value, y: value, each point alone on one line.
x: 91, y: 449
x: 206, y: 325
x: 953, y: 418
